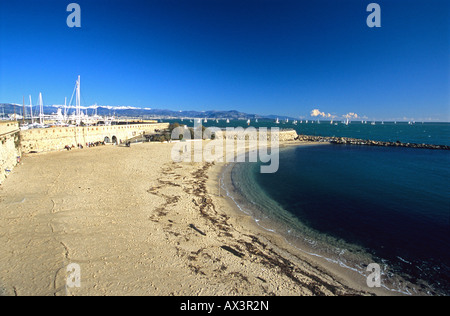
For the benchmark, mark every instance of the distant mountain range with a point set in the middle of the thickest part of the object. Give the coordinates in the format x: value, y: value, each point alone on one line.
x: 128, y: 111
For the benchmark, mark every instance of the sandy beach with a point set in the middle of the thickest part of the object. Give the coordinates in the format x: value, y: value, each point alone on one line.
x: 137, y: 223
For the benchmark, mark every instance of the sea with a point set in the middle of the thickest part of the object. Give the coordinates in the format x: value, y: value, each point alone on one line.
x: 354, y: 205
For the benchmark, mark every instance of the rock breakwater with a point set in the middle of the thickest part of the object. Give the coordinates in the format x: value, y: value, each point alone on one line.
x: 367, y: 142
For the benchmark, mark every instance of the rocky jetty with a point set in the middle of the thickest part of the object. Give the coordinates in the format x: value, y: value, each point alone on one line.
x: 367, y: 142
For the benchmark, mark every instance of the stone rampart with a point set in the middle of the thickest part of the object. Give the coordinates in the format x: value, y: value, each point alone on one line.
x: 10, y: 150
x: 56, y: 138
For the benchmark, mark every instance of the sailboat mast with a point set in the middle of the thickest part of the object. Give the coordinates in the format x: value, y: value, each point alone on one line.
x: 24, y: 112
x: 41, y: 109
x: 65, y: 109
x: 31, y: 111
x: 78, y: 102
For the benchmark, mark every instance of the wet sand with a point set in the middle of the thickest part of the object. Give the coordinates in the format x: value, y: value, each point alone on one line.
x: 137, y: 223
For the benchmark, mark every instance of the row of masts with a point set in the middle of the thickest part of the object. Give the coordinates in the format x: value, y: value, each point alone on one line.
x: 40, y: 116
x: 59, y: 116
x: 78, y: 117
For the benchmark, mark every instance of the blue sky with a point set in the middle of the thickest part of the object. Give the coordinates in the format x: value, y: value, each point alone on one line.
x: 256, y: 56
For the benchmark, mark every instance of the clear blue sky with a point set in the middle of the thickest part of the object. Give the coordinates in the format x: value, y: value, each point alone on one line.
x: 256, y: 56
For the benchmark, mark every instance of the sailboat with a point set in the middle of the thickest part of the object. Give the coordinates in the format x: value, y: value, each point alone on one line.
x: 277, y: 121
x: 41, y: 109
x: 28, y: 125
x: 65, y: 109
x: 248, y: 122
x: 77, y: 115
x: 228, y: 121
x: 34, y: 124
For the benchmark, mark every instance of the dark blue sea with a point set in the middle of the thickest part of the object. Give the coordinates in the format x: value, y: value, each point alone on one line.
x: 346, y: 201
x: 355, y: 205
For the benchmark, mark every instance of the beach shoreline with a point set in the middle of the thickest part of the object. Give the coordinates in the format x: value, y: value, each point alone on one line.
x: 139, y: 224
x: 343, y: 274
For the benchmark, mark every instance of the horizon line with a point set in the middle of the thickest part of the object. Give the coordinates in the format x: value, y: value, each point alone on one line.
x: 266, y: 116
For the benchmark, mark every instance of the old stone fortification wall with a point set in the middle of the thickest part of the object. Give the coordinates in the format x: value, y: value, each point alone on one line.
x: 56, y: 138
x: 9, y: 147
x: 283, y: 135
x: 287, y: 135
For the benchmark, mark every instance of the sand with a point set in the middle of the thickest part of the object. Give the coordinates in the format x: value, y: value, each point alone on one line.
x: 137, y: 223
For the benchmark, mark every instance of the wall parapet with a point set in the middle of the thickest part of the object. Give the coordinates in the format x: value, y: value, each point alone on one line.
x: 56, y: 138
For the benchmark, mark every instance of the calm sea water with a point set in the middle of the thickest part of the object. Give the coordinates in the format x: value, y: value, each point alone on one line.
x: 358, y: 204
x: 421, y: 133
x: 392, y: 203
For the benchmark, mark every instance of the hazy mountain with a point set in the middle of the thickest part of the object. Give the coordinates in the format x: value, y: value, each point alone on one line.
x: 128, y: 111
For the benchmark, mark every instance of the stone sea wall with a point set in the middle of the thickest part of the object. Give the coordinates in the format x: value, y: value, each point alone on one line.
x: 56, y: 138
x: 282, y: 136
x: 10, y: 150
